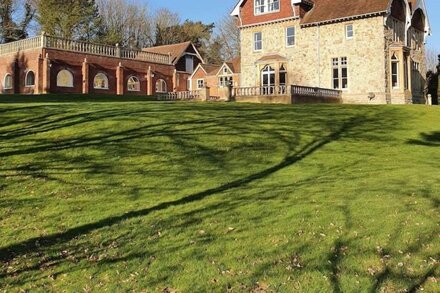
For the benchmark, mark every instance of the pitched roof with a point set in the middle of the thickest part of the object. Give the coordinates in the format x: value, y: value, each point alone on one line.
x: 175, y: 50
x: 235, y: 64
x: 210, y: 69
x: 328, y: 10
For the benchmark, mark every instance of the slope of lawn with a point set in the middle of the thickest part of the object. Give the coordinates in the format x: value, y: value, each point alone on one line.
x: 196, y: 197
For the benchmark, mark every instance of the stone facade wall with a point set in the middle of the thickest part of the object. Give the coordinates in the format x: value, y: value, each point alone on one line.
x: 309, y: 62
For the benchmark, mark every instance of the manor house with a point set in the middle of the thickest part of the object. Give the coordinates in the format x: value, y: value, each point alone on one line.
x: 373, y: 51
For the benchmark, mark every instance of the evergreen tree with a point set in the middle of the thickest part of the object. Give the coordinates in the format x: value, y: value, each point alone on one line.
x: 71, y: 19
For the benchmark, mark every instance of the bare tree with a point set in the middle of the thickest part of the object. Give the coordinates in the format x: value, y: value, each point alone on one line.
x: 126, y: 22
x: 229, y: 35
x: 15, y: 19
x: 166, y: 24
x: 432, y: 59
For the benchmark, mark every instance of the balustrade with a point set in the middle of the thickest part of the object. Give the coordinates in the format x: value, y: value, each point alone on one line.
x: 51, y: 42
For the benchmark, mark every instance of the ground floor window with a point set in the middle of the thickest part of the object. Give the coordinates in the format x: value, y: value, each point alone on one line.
x: 161, y: 86
x: 268, y: 79
x: 100, y: 82
x: 340, y: 73
x: 64, y: 78
x: 224, y: 81
x: 283, y: 80
x: 7, y: 83
x: 133, y: 84
x: 200, y: 83
x: 29, y: 81
x: 394, y: 71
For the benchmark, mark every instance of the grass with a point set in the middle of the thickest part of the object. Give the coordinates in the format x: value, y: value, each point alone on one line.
x: 120, y: 195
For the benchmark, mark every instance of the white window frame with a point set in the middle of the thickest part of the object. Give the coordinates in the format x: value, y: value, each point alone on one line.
x: 26, y: 79
x: 258, y: 42
x: 266, y: 6
x: 395, y: 60
x: 137, y: 81
x: 340, y: 63
x: 70, y: 85
x: 224, y: 80
x: 106, y: 82
x: 161, y: 86
x: 290, y: 36
x: 347, y: 30
x: 4, y: 82
x: 200, y: 83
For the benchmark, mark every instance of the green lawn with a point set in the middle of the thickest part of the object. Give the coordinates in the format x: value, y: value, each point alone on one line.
x: 213, y: 197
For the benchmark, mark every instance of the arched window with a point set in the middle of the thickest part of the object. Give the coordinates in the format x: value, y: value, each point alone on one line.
x: 161, y: 86
x: 100, y: 82
x: 64, y: 78
x: 133, y: 84
x: 7, y: 82
x: 30, y: 79
x: 283, y: 79
x: 268, y: 79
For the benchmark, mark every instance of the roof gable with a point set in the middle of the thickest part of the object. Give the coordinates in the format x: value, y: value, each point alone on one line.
x: 176, y: 51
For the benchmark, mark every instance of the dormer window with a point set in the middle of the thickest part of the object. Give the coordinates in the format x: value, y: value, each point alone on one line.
x: 266, y: 6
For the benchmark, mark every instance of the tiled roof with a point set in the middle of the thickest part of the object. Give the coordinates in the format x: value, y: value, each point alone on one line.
x: 211, y: 69
x: 328, y: 10
x: 176, y: 50
x: 235, y: 64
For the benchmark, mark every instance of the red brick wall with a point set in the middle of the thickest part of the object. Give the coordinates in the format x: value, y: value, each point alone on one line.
x: 182, y: 81
x: 18, y: 65
x: 248, y: 17
x: 199, y: 74
x: 107, y: 65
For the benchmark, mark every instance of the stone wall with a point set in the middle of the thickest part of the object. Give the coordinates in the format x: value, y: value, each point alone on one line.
x: 309, y: 62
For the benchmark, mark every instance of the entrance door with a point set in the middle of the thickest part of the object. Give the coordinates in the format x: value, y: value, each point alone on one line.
x: 268, y: 80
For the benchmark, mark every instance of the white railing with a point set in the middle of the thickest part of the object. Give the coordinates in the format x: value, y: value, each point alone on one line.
x: 315, y: 92
x: 22, y: 45
x: 280, y: 90
x: 45, y: 41
x: 179, y: 96
x: 80, y: 47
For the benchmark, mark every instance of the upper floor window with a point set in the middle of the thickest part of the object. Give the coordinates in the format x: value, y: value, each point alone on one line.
x: 29, y: 81
x: 349, y: 31
x: 64, y: 78
x: 266, y: 6
x: 189, y: 63
x: 258, y: 41
x: 340, y: 73
x: 290, y: 36
x: 7, y: 83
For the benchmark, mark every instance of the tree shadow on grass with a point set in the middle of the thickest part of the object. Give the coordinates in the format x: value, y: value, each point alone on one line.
x: 427, y: 139
x: 12, y: 251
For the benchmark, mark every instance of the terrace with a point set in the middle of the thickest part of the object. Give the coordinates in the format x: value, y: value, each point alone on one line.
x: 56, y: 43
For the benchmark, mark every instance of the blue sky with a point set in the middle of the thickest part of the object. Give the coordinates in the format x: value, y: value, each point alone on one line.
x: 213, y: 10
